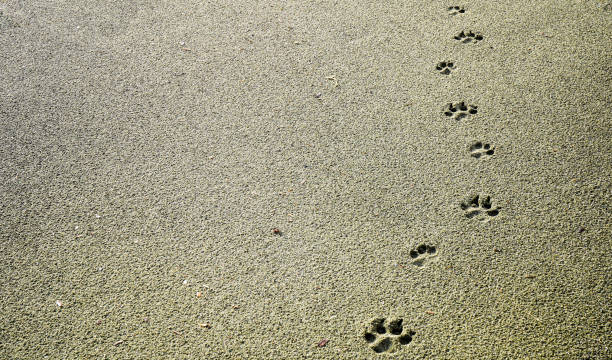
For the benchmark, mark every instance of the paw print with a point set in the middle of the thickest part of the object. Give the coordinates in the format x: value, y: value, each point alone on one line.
x: 459, y: 110
x: 479, y: 149
x: 475, y: 207
x: 422, y: 253
x: 454, y: 10
x: 469, y: 36
x: 387, y: 335
x: 445, y: 67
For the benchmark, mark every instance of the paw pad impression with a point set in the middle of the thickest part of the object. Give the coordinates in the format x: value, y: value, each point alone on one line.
x: 387, y: 335
x: 468, y: 36
x: 445, y: 67
x: 460, y: 110
x: 478, y: 149
x: 479, y: 207
x: 422, y: 253
x: 454, y: 10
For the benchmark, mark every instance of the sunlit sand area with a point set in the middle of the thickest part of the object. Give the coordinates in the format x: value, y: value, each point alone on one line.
x: 305, y: 179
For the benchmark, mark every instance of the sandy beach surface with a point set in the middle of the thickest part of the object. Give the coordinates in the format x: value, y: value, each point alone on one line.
x: 305, y: 179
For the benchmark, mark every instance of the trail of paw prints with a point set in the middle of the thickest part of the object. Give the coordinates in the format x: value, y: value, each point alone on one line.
x: 460, y: 110
x: 455, y: 10
x: 387, y: 336
x: 480, y: 208
x: 422, y: 254
x: 479, y: 149
x: 469, y: 36
x: 445, y: 67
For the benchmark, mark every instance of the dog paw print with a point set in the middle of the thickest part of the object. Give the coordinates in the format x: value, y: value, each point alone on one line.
x: 454, y: 10
x: 387, y: 336
x: 445, y: 67
x: 481, y: 208
x: 468, y: 36
x: 479, y: 149
x: 422, y: 253
x: 460, y: 110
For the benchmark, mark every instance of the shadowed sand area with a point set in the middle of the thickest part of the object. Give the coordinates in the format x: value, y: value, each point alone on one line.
x: 440, y: 179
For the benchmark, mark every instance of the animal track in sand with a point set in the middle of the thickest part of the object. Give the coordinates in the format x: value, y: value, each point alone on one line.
x: 445, y: 67
x: 454, y: 10
x: 459, y: 110
x: 469, y: 36
x: 479, y: 207
x: 479, y: 149
x: 422, y: 253
x: 387, y: 335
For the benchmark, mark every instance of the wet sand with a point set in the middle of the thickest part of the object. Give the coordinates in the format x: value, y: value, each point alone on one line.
x: 149, y: 149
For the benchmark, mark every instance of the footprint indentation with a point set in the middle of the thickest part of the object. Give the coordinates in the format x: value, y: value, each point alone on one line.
x: 480, y: 208
x: 422, y: 253
x: 454, y: 10
x: 469, y: 36
x: 459, y: 110
x: 385, y: 335
x: 479, y: 149
x: 445, y: 67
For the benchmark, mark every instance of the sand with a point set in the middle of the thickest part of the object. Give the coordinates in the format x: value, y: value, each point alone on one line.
x: 148, y: 150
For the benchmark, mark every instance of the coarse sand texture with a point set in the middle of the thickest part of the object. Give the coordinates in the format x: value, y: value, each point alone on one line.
x: 305, y: 179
